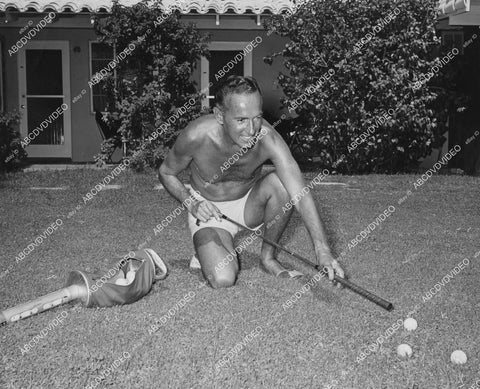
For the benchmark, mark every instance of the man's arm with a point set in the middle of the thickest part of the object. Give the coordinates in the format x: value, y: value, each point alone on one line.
x: 178, y: 159
x: 291, y: 177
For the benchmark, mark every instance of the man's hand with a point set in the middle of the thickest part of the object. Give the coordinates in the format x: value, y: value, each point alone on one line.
x: 325, y: 258
x: 204, y: 210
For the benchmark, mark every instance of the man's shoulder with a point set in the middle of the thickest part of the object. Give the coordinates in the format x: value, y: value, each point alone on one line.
x: 273, y: 146
x: 269, y: 135
x: 200, y: 128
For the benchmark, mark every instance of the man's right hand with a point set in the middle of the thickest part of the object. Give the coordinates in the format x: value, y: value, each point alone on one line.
x: 204, y: 210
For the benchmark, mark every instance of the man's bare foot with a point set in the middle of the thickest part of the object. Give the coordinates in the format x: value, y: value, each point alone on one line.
x: 273, y: 267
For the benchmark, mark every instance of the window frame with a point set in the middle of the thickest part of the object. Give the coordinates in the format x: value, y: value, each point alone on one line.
x: 205, y: 64
x: 90, y: 68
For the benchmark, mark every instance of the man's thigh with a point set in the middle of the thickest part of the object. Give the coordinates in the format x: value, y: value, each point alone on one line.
x: 267, y: 186
x: 215, y: 251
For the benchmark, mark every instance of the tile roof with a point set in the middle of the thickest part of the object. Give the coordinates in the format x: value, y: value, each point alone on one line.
x: 185, y: 6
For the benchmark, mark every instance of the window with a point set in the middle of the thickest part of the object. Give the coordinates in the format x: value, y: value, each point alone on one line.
x: 452, y: 39
x: 100, y: 55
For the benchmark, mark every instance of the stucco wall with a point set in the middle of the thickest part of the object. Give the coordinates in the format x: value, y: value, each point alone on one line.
x: 86, y: 138
x: 78, y: 31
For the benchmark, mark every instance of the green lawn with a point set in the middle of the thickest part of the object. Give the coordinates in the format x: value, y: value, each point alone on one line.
x: 316, y: 343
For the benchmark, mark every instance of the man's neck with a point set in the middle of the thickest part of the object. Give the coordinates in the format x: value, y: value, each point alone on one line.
x: 226, y: 141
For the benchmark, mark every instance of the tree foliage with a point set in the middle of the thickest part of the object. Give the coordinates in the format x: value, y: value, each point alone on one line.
x: 152, y: 82
x: 373, y: 52
x: 12, y: 152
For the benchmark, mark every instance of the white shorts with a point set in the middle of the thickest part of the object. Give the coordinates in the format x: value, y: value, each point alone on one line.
x: 234, y: 209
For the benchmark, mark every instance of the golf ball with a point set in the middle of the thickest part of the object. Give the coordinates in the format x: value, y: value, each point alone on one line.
x: 458, y: 357
x: 404, y: 351
x: 410, y: 324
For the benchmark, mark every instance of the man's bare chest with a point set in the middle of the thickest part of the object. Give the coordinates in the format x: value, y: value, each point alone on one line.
x: 219, y: 166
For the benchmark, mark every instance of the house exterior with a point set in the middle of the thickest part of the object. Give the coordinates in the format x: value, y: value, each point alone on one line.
x: 50, y: 52
x: 459, y: 22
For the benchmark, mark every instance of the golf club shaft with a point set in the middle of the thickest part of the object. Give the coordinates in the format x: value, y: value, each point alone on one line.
x: 350, y: 285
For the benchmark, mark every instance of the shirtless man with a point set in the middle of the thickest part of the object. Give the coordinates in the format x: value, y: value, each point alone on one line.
x: 237, y: 131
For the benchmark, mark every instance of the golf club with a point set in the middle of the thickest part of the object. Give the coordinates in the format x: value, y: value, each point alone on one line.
x: 348, y: 284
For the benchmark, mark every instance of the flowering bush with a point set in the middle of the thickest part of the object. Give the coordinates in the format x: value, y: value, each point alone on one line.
x: 11, y: 151
x: 148, y: 97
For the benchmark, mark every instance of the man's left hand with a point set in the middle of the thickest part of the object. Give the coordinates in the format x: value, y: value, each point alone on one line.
x: 325, y: 258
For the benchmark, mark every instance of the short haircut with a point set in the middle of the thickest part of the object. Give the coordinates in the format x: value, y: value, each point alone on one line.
x: 235, y: 84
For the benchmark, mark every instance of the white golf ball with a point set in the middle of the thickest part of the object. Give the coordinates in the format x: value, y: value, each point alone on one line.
x: 458, y: 357
x: 404, y: 351
x: 410, y: 324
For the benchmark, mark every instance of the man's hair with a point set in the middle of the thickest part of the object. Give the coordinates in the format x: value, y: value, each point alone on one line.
x: 235, y: 84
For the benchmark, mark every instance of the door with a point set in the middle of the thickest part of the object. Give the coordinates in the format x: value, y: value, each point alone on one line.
x: 44, y: 91
x: 222, y: 56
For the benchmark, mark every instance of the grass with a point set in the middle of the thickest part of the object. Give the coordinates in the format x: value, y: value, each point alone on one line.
x: 313, y: 344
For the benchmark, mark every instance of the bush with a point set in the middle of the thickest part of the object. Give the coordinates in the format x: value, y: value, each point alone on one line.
x: 354, y: 68
x: 11, y: 151
x: 149, y: 97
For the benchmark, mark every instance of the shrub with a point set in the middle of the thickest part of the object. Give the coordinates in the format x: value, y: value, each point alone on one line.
x: 11, y: 151
x: 354, y: 71
x: 149, y: 96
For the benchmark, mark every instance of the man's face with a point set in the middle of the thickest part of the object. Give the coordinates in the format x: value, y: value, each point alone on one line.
x: 241, y: 117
